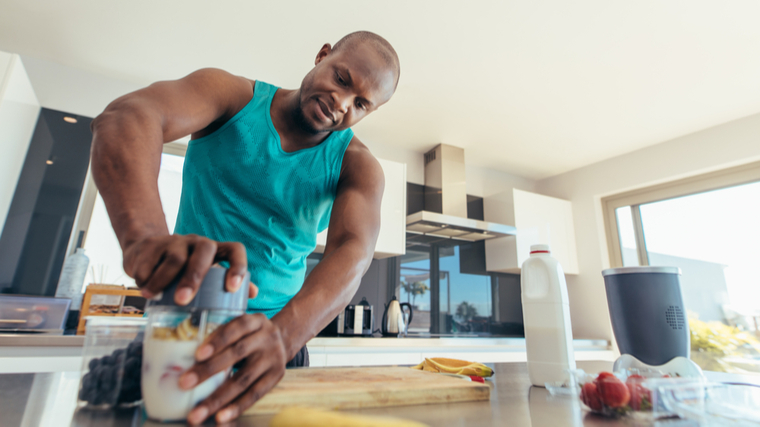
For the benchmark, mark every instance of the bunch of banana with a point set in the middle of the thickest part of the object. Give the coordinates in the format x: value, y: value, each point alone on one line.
x: 454, y: 366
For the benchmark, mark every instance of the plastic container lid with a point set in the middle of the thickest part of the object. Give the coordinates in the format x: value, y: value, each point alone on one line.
x: 640, y: 269
x: 211, y: 295
x: 539, y: 249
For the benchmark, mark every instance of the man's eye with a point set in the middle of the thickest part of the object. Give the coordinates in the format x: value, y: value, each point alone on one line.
x: 360, y: 105
x: 340, y: 79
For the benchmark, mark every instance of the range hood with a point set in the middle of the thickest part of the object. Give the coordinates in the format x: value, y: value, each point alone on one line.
x: 444, y: 221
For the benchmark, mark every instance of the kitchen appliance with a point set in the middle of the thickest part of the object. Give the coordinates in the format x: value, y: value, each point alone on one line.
x: 647, y: 312
x: 355, y: 320
x: 395, y: 322
x: 444, y: 217
x: 173, y: 334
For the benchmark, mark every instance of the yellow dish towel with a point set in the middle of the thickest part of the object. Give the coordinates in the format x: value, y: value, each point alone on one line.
x: 308, y: 417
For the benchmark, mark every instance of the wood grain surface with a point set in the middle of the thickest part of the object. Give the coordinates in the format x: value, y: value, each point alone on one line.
x: 350, y: 388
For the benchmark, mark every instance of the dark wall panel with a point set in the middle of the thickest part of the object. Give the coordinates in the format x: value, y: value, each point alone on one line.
x: 35, y: 236
x: 415, y: 198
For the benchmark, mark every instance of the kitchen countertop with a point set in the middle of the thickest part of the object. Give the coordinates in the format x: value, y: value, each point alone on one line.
x: 38, y: 340
x: 49, y: 399
x: 37, y: 353
x: 35, y: 340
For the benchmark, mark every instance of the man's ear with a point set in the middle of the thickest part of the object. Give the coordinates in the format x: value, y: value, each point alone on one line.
x: 322, y: 54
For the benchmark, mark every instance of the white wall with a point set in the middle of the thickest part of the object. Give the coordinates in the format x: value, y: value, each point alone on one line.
x: 68, y: 89
x: 723, y: 146
x: 19, y: 110
x: 481, y: 182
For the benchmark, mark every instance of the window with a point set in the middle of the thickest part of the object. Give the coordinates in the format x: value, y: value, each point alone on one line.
x: 101, y: 244
x: 414, y: 287
x: 709, y: 228
x: 465, y: 299
x: 452, y: 294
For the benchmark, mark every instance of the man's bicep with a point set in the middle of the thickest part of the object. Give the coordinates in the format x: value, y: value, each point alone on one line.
x: 189, y: 104
x: 356, y: 210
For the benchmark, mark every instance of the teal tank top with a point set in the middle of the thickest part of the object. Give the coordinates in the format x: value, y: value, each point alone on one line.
x: 239, y: 185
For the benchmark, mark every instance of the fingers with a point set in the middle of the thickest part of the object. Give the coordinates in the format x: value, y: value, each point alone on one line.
x: 253, y: 290
x: 227, y: 392
x: 243, y: 389
x: 222, y: 361
x: 228, y: 334
x: 203, y: 253
x: 251, y: 396
x: 155, y: 262
x: 235, y: 254
x: 140, y: 262
x: 171, y: 262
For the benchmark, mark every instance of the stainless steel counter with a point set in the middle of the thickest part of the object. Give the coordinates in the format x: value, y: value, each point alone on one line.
x: 49, y: 400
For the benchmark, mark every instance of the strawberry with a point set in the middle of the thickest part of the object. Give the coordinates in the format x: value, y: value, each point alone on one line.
x: 612, y: 391
x: 590, y: 396
x: 641, y: 397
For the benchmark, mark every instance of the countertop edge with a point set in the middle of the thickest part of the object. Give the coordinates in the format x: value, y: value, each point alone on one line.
x: 10, y: 340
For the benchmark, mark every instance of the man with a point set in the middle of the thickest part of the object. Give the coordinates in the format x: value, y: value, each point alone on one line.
x: 265, y: 171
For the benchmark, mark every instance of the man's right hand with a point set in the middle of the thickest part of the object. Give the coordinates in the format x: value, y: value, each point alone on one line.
x: 154, y: 262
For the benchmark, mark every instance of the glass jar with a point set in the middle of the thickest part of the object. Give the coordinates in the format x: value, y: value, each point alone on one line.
x: 172, y: 335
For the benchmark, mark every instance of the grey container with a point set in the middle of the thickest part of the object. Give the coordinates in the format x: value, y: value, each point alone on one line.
x: 647, y: 312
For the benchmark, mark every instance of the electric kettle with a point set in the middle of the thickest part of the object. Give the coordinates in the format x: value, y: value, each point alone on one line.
x: 394, y: 318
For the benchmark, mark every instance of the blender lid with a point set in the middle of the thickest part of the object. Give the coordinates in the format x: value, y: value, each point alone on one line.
x: 211, y: 294
x: 641, y: 269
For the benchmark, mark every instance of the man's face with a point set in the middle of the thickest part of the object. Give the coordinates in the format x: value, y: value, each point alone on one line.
x: 344, y: 87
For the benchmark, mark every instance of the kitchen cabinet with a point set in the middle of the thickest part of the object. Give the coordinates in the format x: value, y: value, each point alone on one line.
x: 19, y: 109
x: 392, y: 238
x: 539, y: 219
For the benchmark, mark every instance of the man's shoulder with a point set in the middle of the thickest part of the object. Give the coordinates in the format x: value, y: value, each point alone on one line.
x: 357, y: 151
x: 230, y: 92
x: 360, y: 165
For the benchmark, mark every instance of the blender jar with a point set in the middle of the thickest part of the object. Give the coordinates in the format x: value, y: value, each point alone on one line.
x: 172, y: 335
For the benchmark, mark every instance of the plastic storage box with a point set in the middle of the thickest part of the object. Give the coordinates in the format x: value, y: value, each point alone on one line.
x: 111, y: 362
x: 33, y: 314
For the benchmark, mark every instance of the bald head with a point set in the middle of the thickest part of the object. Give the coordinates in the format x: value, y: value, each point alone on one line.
x: 377, y: 43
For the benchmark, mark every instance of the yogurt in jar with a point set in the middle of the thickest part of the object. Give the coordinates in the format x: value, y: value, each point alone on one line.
x: 167, y: 354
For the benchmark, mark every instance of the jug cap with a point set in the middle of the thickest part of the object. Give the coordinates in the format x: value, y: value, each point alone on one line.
x: 539, y: 249
x: 210, y: 296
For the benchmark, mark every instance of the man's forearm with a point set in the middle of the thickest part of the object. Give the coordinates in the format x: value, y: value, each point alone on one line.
x: 327, y: 291
x: 126, y: 156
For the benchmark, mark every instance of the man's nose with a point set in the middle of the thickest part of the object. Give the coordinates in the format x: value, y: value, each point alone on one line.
x: 341, y: 102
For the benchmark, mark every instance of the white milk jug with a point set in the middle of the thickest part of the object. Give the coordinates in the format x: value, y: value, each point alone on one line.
x: 546, y: 316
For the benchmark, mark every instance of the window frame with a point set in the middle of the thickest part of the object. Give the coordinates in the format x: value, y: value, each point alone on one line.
x: 724, y: 178
x: 90, y: 193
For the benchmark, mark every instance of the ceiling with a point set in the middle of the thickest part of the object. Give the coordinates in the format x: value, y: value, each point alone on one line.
x: 533, y: 88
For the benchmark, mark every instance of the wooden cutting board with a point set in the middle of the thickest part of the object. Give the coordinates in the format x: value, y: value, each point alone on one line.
x: 348, y: 388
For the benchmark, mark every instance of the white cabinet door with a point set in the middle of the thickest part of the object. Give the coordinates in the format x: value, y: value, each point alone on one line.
x: 19, y: 109
x: 392, y: 238
x: 539, y: 220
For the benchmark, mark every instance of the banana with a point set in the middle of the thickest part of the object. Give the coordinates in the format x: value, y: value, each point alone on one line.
x: 442, y: 367
x: 477, y: 370
x: 307, y: 417
x: 430, y: 368
x: 454, y: 366
x: 451, y: 362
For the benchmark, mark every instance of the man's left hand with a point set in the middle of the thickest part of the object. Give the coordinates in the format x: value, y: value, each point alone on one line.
x: 252, y: 338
